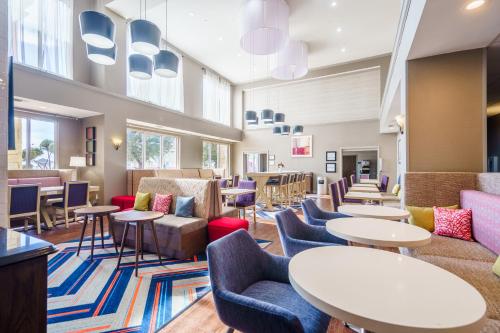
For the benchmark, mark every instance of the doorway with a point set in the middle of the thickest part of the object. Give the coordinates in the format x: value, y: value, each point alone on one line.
x: 254, y: 162
x: 361, y: 162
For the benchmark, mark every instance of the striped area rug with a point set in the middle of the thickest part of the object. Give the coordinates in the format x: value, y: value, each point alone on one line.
x: 86, y: 296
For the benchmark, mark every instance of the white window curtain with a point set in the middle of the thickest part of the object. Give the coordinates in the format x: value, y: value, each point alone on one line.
x: 216, y: 98
x: 41, y: 33
x: 166, y: 92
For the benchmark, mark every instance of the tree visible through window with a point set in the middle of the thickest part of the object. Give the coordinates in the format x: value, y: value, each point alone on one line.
x: 146, y: 150
x: 215, y: 155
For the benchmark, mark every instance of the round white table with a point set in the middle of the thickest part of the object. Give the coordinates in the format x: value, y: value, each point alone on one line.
x: 383, y: 291
x: 381, y: 212
x: 369, y: 189
x: 378, y: 232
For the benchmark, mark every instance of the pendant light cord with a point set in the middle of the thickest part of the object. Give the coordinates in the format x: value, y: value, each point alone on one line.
x: 166, y: 22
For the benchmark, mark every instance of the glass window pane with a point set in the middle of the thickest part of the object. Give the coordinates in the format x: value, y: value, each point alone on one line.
x: 42, y: 149
x: 17, y: 159
x: 152, y: 151
x: 134, y: 150
x: 169, y: 153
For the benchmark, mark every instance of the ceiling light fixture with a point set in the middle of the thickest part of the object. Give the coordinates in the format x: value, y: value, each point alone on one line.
x: 191, y: 14
x: 145, y: 35
x: 101, y: 56
x: 292, y: 61
x: 97, y: 29
x: 475, y: 4
x: 298, y: 130
x: 166, y: 63
x: 221, y: 38
x: 339, y: 29
x: 333, y: 4
x: 343, y: 49
x: 140, y: 66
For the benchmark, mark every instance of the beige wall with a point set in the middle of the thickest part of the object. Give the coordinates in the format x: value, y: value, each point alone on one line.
x: 446, y: 112
x: 3, y: 112
x: 325, y: 138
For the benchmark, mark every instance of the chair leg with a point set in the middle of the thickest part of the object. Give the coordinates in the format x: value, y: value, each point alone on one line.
x: 254, y: 214
x: 38, y: 225
x: 66, y: 218
x: 26, y: 224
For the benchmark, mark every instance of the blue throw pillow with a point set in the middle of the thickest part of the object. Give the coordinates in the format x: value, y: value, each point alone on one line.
x: 184, y: 206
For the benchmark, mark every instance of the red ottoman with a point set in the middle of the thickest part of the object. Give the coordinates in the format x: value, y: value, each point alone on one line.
x: 123, y: 201
x: 224, y: 226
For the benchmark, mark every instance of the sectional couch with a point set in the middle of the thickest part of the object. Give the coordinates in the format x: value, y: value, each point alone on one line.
x: 472, y: 261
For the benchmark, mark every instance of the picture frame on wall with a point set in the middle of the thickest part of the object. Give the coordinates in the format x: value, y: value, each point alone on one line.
x: 90, y: 159
x: 90, y: 148
x: 331, y: 156
x: 90, y: 133
x: 331, y: 167
x: 301, y: 146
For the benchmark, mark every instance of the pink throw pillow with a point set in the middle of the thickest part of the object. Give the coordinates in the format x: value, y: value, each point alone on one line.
x: 456, y: 223
x: 162, y: 203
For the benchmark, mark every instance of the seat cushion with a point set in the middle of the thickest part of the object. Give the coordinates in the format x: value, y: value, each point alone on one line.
x: 491, y: 326
x: 183, y: 224
x: 478, y: 274
x: 283, y: 295
x: 224, y: 226
x: 123, y: 201
x: 452, y: 248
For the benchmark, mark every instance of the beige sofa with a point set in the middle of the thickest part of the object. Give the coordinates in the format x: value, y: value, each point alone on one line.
x: 180, y: 237
x: 472, y: 261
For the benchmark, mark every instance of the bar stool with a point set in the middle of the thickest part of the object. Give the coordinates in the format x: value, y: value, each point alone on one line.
x: 290, y: 188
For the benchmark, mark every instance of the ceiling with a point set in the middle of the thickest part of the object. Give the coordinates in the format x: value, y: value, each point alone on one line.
x: 209, y: 31
x: 55, y: 109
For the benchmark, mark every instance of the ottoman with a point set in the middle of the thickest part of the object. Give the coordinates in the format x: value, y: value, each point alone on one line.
x: 123, y: 201
x: 224, y: 226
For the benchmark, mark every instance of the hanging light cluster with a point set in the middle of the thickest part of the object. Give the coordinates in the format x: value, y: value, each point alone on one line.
x: 265, y: 31
x: 98, y: 32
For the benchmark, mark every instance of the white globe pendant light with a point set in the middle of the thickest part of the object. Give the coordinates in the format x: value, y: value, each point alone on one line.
x: 291, y: 61
x: 265, y: 26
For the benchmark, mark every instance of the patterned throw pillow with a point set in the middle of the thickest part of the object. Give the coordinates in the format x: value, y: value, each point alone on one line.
x: 456, y: 223
x: 162, y: 203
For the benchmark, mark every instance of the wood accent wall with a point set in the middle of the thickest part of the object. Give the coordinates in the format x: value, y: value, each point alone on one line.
x: 446, y: 118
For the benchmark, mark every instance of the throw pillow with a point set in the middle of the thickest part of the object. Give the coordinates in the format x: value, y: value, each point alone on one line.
x: 496, y: 267
x: 456, y: 223
x: 142, y: 201
x: 162, y: 203
x: 423, y: 217
x: 184, y: 206
x: 395, y: 189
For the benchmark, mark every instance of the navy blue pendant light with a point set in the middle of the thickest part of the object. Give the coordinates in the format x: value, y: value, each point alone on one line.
x: 285, y: 130
x: 277, y: 130
x: 250, y: 117
x: 140, y: 66
x: 254, y: 123
x: 267, y: 116
x: 298, y: 130
x: 166, y: 63
x: 102, y: 56
x: 279, y: 118
x: 97, y: 29
x: 145, y: 35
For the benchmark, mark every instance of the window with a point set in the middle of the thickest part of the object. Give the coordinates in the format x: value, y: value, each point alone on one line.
x: 166, y: 92
x: 216, y: 98
x: 41, y: 34
x: 215, y: 156
x: 148, y: 150
x: 35, y: 144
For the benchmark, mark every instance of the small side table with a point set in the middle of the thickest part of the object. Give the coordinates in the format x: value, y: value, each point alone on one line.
x: 138, y: 219
x: 96, y: 212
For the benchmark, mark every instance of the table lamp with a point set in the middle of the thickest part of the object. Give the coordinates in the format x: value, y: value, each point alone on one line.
x: 77, y: 162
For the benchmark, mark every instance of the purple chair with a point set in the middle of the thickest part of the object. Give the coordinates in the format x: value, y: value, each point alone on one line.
x: 384, y: 183
x: 236, y: 180
x: 75, y: 195
x: 335, y: 196
x: 223, y: 184
x: 245, y: 201
x: 353, y: 179
x: 342, y: 194
x: 24, y: 203
x: 364, y: 176
x: 346, y: 185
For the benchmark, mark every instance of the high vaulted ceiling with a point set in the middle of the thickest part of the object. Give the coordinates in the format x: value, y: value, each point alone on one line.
x: 336, y: 31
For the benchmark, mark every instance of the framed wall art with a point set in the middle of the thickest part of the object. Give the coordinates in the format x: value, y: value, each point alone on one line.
x: 331, y: 167
x: 331, y: 156
x: 301, y: 146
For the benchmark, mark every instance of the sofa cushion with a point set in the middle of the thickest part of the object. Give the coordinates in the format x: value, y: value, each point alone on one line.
x: 162, y: 203
x: 452, y: 248
x: 142, y: 201
x: 43, y: 181
x: 485, y: 217
x: 190, y: 173
x: 491, y: 326
x: 423, y: 217
x: 183, y: 225
x: 455, y: 223
x: 184, y: 206
x: 478, y: 274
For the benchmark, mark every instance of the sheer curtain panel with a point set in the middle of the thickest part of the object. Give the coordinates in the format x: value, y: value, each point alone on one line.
x: 216, y: 98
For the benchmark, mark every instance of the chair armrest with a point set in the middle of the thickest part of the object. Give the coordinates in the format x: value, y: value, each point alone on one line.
x: 320, y: 234
x: 277, y: 268
x: 332, y: 215
x: 295, y: 246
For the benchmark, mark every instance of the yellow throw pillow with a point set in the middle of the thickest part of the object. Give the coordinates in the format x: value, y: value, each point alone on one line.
x: 496, y: 267
x: 423, y: 217
x: 395, y: 189
x: 142, y: 201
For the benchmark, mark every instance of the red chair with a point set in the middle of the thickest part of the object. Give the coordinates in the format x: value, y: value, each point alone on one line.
x: 123, y: 201
x: 224, y: 226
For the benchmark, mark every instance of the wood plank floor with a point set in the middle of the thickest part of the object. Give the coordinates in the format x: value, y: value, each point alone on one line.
x: 200, y: 317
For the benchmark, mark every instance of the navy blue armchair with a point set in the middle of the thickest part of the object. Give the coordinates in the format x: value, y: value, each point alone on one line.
x: 252, y: 292
x: 297, y: 236
x: 316, y: 216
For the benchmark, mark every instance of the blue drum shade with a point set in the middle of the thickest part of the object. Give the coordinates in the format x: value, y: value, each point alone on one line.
x: 102, y: 56
x: 267, y: 116
x: 298, y: 130
x: 277, y: 130
x: 279, y: 118
x: 251, y: 117
x: 140, y: 66
x: 145, y: 37
x: 285, y: 130
x: 254, y: 124
x: 97, y: 29
x: 166, y: 64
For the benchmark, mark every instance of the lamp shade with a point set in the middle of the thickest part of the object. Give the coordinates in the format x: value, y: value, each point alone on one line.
x: 77, y: 161
x: 250, y: 117
x: 298, y: 130
x: 277, y: 130
x: 166, y: 64
x: 97, y: 29
x: 279, y: 118
x: 102, y: 56
x: 254, y: 124
x: 265, y: 26
x: 140, y: 66
x: 267, y: 116
x: 145, y: 37
x: 285, y: 130
x: 291, y: 61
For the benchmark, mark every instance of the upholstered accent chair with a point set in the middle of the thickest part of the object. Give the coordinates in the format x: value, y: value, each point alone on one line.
x: 245, y: 201
x: 223, y: 184
x: 252, y: 291
x: 353, y: 179
x: 317, y: 216
x: 297, y: 236
x: 236, y: 180
x: 334, y: 192
x: 24, y: 203
x: 343, y: 190
x: 75, y: 195
x: 384, y: 183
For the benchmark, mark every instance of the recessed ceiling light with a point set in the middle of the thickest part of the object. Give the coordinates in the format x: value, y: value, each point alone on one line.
x: 475, y: 4
x: 191, y: 14
x: 339, y: 29
x: 220, y: 38
x: 343, y: 49
x: 333, y: 4
x: 43, y: 107
x: 239, y: 54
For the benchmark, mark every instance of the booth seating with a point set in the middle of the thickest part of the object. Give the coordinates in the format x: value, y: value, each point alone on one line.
x: 44, y: 178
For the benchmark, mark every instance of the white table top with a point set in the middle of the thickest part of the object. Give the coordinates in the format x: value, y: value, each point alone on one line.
x: 236, y: 191
x: 50, y: 190
x: 381, y: 212
x: 383, y: 291
x: 368, y: 189
x: 369, y: 181
x: 364, y: 196
x: 364, y: 185
x: 378, y: 232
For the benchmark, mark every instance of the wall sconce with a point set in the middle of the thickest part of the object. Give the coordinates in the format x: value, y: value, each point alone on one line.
x: 400, y: 120
x: 117, y: 142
